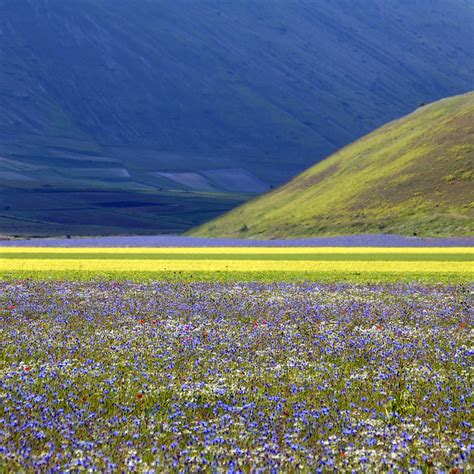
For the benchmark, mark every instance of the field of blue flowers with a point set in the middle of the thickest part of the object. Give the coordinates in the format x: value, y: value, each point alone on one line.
x: 155, y: 377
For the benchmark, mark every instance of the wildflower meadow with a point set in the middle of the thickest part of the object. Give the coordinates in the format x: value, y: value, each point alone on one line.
x: 106, y: 376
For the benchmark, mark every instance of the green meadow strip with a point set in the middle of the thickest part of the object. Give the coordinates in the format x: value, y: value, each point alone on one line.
x: 222, y: 276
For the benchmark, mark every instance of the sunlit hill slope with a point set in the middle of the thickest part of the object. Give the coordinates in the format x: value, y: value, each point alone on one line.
x: 412, y: 176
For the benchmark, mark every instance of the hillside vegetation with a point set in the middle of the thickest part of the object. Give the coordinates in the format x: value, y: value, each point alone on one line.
x: 412, y: 176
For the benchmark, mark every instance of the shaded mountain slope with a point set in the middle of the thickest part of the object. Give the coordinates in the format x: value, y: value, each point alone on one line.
x: 248, y: 84
x: 412, y: 176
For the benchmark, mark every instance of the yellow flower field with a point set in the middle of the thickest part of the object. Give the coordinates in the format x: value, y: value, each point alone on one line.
x: 326, y: 259
x: 233, y: 265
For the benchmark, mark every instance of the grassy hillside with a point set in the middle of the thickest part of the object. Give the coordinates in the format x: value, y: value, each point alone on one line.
x: 412, y: 176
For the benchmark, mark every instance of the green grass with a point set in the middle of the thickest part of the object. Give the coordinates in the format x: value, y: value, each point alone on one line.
x: 230, y: 277
x: 412, y: 176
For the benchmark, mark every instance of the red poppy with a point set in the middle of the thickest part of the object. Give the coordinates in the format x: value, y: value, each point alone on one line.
x: 379, y: 327
x: 139, y: 395
x: 27, y: 369
x: 142, y: 321
x: 11, y: 307
x: 462, y: 325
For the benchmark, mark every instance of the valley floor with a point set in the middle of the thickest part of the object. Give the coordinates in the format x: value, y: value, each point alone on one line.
x: 177, y: 358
